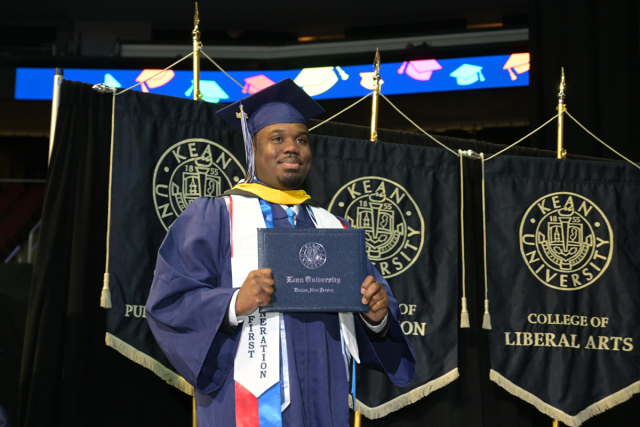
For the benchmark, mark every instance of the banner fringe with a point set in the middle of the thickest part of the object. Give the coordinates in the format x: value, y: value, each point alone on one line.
x: 150, y: 363
x: 407, y: 398
x: 105, y: 298
x: 571, y: 421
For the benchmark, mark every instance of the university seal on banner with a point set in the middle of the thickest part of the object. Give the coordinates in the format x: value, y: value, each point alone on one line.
x: 190, y: 169
x: 392, y: 221
x: 313, y: 255
x: 566, y: 241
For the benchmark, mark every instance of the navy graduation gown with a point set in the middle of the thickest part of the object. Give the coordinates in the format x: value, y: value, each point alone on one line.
x: 191, y: 292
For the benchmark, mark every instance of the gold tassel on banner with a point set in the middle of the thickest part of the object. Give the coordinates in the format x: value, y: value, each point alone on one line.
x: 105, y: 298
x: 464, y: 313
x: 486, y: 318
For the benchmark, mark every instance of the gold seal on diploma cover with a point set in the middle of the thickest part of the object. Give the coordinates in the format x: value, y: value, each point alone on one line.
x: 190, y: 169
x: 566, y: 241
x: 390, y: 217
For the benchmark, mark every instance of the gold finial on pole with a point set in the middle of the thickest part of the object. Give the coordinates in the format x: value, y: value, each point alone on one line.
x: 376, y: 96
x: 556, y: 423
x: 196, y: 56
x: 562, y: 153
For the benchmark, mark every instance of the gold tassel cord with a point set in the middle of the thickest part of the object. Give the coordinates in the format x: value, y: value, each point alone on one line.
x: 464, y: 313
x: 486, y: 318
x: 105, y: 297
x: 599, y: 140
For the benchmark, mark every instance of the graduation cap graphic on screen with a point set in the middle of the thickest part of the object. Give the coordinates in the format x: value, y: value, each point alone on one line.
x: 420, y: 70
x: 155, y: 81
x: 211, y: 91
x: 256, y: 83
x: 518, y: 62
x: 467, y: 74
x: 367, y: 80
x: 315, y: 81
x: 111, y: 81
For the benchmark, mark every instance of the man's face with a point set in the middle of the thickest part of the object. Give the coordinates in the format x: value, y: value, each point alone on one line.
x: 283, y: 156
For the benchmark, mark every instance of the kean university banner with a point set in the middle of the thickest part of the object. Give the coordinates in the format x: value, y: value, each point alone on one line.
x: 169, y: 151
x: 166, y: 152
x: 406, y: 198
x: 563, y: 275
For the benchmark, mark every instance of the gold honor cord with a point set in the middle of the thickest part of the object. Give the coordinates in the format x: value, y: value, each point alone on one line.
x: 273, y: 195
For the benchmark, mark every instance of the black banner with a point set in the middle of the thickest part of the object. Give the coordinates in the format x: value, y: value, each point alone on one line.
x: 169, y: 151
x: 166, y: 153
x: 564, y: 282
x: 406, y: 198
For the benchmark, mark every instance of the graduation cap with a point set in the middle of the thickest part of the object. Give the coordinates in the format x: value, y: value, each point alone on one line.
x: 467, y: 74
x: 518, y: 62
x: 367, y: 80
x: 283, y: 102
x: 315, y: 81
x: 211, y: 91
x: 420, y: 70
x: 155, y: 81
x: 111, y: 81
x: 257, y: 83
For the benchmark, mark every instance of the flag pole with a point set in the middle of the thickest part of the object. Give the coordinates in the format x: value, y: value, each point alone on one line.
x: 196, y: 56
x: 375, y: 99
x: 196, y: 96
x: 562, y: 153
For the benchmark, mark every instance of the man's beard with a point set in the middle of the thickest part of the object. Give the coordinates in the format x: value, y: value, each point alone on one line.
x: 291, y: 180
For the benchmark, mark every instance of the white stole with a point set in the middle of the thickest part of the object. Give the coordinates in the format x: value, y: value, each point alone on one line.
x: 257, y: 361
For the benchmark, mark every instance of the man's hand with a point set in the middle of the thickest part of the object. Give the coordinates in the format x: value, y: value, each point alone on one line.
x: 255, y: 292
x: 376, y: 297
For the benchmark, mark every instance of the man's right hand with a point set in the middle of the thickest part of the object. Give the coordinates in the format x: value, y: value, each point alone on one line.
x: 255, y: 292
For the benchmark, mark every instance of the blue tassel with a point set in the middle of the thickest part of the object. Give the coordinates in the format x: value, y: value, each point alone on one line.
x: 248, y: 147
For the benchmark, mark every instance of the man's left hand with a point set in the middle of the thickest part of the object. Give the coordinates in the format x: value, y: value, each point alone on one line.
x: 375, y: 296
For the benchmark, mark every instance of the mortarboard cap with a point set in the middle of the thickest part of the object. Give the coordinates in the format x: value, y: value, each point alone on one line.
x: 467, y: 74
x: 283, y: 102
x: 367, y: 80
x: 211, y: 91
x: 420, y: 70
x: 315, y: 81
x: 256, y: 84
x: 518, y: 62
x: 154, y: 80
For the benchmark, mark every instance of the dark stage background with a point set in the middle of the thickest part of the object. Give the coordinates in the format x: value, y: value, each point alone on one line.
x: 70, y: 378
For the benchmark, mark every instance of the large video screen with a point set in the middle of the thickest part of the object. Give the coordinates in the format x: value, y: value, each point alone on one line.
x: 350, y: 81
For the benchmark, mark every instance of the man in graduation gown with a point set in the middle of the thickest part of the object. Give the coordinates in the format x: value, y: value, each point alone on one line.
x: 197, y: 315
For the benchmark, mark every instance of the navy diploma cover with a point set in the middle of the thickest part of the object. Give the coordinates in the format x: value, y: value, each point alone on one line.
x: 314, y: 269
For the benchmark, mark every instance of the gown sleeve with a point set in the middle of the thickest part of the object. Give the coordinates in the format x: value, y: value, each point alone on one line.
x: 390, y: 352
x: 190, y: 295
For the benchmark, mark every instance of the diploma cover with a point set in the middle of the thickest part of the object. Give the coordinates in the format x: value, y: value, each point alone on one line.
x: 314, y: 269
